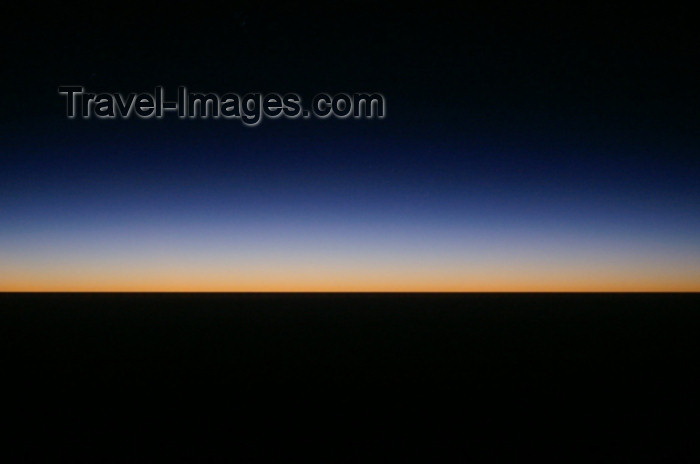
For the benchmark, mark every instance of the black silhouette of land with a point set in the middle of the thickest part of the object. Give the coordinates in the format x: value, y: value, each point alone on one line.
x: 350, y: 377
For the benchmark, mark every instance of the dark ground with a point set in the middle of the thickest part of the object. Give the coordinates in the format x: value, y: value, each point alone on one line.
x: 350, y: 378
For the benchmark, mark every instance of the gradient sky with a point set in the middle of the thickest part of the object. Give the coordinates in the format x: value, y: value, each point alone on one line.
x: 515, y: 156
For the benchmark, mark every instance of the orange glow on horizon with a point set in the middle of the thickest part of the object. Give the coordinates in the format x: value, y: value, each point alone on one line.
x: 184, y: 282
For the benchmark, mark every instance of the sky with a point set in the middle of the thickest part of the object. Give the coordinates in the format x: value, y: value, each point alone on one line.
x: 523, y: 150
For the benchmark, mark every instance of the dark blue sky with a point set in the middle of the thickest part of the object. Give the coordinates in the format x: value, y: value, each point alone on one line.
x: 522, y: 150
